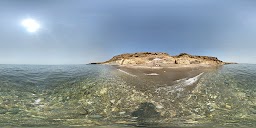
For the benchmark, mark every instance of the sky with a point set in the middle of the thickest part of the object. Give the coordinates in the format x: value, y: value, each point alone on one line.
x: 84, y: 31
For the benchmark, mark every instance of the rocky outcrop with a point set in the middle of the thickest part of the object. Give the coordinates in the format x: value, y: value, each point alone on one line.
x: 185, y: 58
x: 141, y: 58
x: 161, y: 59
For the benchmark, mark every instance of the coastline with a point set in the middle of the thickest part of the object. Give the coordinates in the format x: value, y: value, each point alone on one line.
x: 155, y: 77
x: 160, y: 60
x: 158, y: 69
x: 168, y: 66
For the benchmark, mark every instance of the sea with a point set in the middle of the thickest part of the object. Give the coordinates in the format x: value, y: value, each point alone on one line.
x: 102, y: 96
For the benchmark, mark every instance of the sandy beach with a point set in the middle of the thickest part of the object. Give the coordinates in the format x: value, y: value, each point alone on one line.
x: 155, y: 77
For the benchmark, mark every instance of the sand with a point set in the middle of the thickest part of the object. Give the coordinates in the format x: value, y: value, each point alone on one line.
x: 149, y: 78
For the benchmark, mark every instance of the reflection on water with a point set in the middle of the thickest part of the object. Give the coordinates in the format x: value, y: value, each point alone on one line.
x: 97, y: 95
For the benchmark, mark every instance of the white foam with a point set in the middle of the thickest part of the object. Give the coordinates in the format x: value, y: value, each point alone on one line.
x: 180, y: 84
x: 126, y: 73
x: 192, y: 80
x: 152, y: 74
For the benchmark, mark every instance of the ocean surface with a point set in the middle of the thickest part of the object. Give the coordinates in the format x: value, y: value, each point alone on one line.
x: 107, y: 96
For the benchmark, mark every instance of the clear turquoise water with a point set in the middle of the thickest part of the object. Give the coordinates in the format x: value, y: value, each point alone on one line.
x: 102, y: 96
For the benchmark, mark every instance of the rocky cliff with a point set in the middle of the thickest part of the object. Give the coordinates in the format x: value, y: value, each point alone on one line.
x: 161, y: 59
x: 185, y: 58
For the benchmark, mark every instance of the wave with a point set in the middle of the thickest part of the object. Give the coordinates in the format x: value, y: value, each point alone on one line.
x: 126, y: 73
x: 180, y: 84
x: 151, y: 74
x: 192, y: 80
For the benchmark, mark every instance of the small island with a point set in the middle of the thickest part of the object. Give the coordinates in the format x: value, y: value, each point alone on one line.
x: 162, y: 60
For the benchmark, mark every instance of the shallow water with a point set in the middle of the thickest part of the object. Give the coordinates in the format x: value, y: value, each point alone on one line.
x: 104, y: 96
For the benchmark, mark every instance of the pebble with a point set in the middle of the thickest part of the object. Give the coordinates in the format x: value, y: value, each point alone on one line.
x: 121, y: 113
x: 228, y: 106
x: 159, y: 107
x: 103, y: 91
x: 112, y: 101
x: 37, y: 101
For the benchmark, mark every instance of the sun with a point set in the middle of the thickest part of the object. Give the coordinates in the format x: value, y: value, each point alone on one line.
x: 31, y: 25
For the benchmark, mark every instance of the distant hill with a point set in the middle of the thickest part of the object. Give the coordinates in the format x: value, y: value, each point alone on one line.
x: 161, y: 59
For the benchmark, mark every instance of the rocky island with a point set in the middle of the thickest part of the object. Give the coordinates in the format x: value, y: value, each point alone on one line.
x: 161, y: 59
x: 156, y: 87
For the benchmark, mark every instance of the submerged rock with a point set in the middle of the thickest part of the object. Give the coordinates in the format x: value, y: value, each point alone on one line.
x: 146, y: 110
x: 3, y: 110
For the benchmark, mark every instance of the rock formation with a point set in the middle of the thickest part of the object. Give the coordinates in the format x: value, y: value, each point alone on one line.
x: 161, y: 59
x: 185, y: 58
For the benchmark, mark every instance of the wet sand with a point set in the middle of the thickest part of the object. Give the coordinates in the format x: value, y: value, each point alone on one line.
x: 150, y: 78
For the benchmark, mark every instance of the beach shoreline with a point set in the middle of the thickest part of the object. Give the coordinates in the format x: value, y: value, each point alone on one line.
x: 170, y: 66
x: 159, y: 76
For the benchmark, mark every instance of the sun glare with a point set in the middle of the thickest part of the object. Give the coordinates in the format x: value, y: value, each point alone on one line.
x: 31, y: 25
